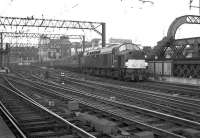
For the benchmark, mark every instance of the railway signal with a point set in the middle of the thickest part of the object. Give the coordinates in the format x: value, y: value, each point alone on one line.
x: 62, y: 77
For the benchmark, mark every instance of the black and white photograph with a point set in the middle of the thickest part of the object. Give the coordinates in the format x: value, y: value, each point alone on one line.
x: 99, y: 68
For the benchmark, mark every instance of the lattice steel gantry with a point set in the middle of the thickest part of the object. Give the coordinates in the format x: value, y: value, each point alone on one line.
x: 37, y: 35
x: 30, y: 27
x: 13, y: 38
x: 13, y: 24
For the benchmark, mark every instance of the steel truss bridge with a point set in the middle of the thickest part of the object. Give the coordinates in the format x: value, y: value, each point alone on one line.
x: 175, y: 48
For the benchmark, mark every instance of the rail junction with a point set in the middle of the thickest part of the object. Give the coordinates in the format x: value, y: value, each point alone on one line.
x: 39, y: 99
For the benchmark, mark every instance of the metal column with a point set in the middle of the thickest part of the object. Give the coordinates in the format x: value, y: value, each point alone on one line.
x: 83, y: 44
x: 1, y: 50
x: 103, y: 34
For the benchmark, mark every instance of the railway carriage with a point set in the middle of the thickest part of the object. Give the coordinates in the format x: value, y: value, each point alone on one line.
x: 119, y: 61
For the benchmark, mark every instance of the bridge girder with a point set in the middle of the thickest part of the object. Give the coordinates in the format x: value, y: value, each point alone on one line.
x: 187, y: 19
x: 177, y: 45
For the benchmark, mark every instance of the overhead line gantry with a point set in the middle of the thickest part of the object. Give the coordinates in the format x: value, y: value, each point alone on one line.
x: 14, y: 27
x: 13, y: 24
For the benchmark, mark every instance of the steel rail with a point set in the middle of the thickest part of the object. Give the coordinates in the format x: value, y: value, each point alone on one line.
x: 196, y: 124
x: 122, y: 104
x: 169, y: 98
x: 157, y: 114
x: 129, y: 98
x: 161, y: 107
x: 136, y: 89
x: 154, y: 129
x: 12, y: 121
x: 25, y: 97
x: 171, y: 88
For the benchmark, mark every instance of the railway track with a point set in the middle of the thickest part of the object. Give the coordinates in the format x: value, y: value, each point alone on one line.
x: 174, y: 89
x: 188, y: 91
x: 29, y: 119
x: 177, y: 90
x: 183, y: 107
x: 162, y: 87
x: 179, y: 106
x: 163, y: 125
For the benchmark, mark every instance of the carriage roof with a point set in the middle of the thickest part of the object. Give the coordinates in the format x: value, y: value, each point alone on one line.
x: 109, y: 49
x: 120, y: 48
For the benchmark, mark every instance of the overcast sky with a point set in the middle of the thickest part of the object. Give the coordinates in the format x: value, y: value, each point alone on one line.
x: 144, y: 23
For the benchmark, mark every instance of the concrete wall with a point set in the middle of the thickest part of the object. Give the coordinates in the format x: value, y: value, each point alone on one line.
x: 195, y: 82
x: 182, y: 80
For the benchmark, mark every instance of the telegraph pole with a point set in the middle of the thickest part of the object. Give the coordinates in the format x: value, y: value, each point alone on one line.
x: 194, y: 6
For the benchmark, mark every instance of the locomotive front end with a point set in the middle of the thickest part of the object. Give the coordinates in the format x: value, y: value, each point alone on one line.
x: 134, y: 62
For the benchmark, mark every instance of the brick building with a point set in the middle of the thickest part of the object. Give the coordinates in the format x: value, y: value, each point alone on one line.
x: 23, y: 55
x: 52, y: 49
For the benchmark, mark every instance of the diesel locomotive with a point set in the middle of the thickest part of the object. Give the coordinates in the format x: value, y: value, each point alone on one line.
x: 119, y: 61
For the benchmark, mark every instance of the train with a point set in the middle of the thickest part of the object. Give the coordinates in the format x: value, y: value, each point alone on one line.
x: 118, y: 61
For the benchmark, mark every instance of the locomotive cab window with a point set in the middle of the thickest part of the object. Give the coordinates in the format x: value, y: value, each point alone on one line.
x: 128, y: 47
